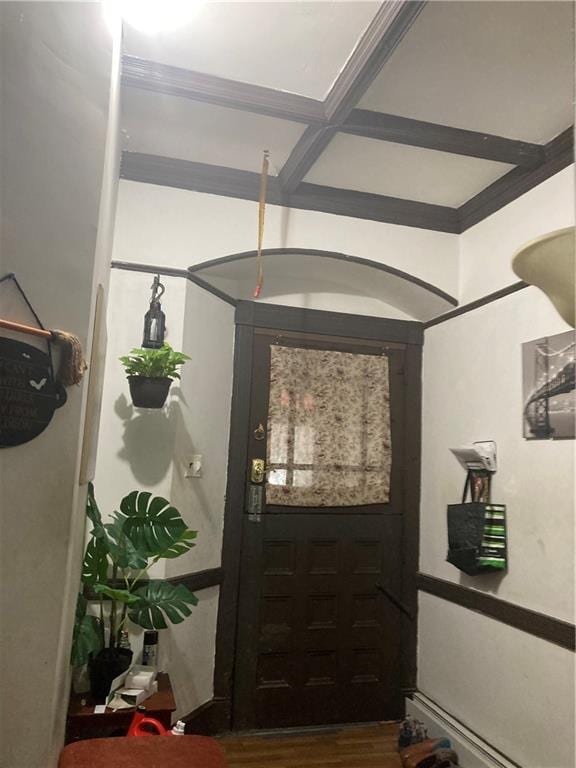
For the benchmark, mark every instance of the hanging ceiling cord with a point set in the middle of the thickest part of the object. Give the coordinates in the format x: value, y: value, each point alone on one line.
x: 261, y: 213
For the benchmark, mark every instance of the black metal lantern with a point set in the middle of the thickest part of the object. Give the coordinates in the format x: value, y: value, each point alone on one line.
x: 154, y: 319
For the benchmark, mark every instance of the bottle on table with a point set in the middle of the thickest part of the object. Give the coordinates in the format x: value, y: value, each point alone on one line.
x: 150, y: 649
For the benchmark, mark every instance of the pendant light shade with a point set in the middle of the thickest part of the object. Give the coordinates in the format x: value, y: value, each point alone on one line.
x: 549, y: 264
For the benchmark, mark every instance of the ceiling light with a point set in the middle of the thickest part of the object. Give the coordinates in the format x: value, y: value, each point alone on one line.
x: 548, y: 263
x: 152, y: 16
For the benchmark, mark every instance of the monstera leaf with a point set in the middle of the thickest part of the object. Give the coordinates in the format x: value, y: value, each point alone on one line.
x: 93, y: 514
x: 158, y: 600
x: 122, y: 550
x: 154, y: 527
x: 95, y: 565
x: 88, y: 638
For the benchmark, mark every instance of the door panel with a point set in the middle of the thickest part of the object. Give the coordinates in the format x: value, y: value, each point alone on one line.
x: 317, y: 642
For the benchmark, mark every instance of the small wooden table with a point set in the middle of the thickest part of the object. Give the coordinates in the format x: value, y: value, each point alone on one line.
x: 83, y: 723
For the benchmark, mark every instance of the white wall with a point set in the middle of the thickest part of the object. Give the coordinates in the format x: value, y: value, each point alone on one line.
x: 486, y: 249
x: 473, y: 391
x: 203, y: 428
x: 513, y: 689
x: 204, y: 425
x: 331, y: 302
x: 181, y: 228
x: 141, y: 449
x: 162, y: 226
x: 59, y: 162
x: 157, y: 225
x: 501, y: 682
x: 136, y: 444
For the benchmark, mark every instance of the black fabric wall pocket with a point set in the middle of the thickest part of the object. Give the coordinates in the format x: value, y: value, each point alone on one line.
x: 477, y: 537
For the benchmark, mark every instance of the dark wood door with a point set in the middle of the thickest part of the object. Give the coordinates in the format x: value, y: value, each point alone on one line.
x: 318, y: 643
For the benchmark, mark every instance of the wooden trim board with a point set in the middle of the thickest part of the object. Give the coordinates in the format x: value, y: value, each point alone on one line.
x: 441, y: 138
x: 194, y: 581
x: 540, y: 625
x: 233, y: 94
x: 230, y: 182
x: 559, y: 154
x: 391, y: 22
x: 481, y: 302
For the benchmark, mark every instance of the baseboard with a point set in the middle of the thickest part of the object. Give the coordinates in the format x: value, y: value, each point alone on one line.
x: 472, y: 749
x: 209, y: 719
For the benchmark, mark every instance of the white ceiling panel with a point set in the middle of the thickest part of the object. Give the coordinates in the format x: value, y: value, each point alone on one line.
x: 411, y: 173
x: 505, y: 68
x: 176, y: 127
x: 292, y: 46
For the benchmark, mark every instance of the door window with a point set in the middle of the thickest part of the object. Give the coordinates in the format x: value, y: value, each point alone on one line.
x: 328, y: 428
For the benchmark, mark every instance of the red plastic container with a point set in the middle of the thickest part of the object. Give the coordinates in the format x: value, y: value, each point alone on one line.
x: 146, y: 726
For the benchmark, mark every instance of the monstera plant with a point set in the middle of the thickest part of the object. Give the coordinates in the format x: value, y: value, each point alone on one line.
x: 117, y: 559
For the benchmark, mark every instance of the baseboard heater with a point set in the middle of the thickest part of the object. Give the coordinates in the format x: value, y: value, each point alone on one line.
x: 472, y: 750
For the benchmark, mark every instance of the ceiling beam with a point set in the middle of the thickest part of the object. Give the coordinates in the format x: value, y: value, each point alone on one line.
x: 307, y: 150
x: 197, y: 86
x: 559, y: 154
x: 366, y: 205
x: 230, y: 182
x: 162, y: 78
x: 443, y: 138
x: 393, y: 19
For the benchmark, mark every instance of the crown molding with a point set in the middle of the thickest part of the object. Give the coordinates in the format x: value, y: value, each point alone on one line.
x: 558, y: 153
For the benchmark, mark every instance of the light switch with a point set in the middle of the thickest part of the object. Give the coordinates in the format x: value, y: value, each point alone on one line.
x: 194, y: 466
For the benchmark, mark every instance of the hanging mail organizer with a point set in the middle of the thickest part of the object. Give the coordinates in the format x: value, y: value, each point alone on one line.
x: 477, y: 535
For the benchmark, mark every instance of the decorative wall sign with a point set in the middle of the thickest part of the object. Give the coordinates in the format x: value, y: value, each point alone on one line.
x: 549, y: 396
x: 28, y: 393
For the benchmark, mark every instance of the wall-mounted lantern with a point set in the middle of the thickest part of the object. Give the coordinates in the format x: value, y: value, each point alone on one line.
x: 154, y: 319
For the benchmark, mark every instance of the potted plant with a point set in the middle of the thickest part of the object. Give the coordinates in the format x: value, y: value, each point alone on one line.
x: 115, y: 570
x: 150, y: 374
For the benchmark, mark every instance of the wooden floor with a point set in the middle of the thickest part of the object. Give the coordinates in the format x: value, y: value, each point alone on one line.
x: 354, y: 747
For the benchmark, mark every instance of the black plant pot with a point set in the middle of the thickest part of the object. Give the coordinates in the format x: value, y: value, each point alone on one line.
x: 149, y: 392
x: 104, y: 667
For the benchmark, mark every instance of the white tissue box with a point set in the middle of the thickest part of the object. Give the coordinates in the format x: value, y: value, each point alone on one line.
x: 140, y: 677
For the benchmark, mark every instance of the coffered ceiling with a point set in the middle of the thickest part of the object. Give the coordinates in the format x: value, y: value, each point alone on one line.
x: 299, y: 47
x: 424, y: 114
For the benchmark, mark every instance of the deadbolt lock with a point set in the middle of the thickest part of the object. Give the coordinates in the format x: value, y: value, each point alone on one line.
x: 258, y: 471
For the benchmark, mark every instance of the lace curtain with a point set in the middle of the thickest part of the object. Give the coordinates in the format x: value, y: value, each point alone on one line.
x: 328, y: 428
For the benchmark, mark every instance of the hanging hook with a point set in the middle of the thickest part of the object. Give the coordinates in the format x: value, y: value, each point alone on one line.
x: 156, y: 292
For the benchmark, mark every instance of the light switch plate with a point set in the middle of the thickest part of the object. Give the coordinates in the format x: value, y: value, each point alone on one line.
x: 194, y: 465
